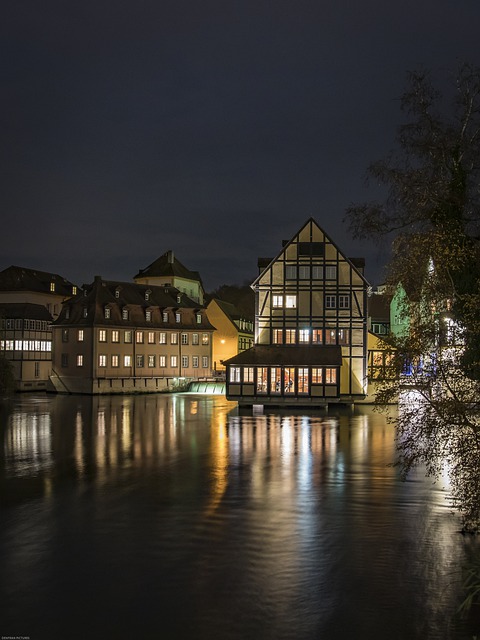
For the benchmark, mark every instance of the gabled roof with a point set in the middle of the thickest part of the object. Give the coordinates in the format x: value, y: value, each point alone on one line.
x: 168, y: 265
x: 289, y: 355
x: 264, y: 265
x: 22, y: 279
x: 232, y: 313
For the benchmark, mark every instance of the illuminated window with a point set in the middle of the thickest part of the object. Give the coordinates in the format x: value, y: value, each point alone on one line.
x: 127, y: 336
x: 127, y: 361
x: 140, y: 359
x: 102, y: 335
x: 343, y: 336
x: 117, y: 293
x: 291, y: 302
x: 184, y: 338
x: 80, y: 335
x: 79, y: 360
x: 174, y: 338
x: 199, y: 318
x: 64, y: 335
x: 162, y: 361
x: 248, y: 374
x: 262, y: 377
x: 289, y: 380
x: 330, y: 336
x: 304, y: 335
x: 139, y: 337
x: 162, y: 337
x: 275, y: 380
x: 115, y: 361
x: 52, y: 286
x: 124, y: 314
x: 173, y: 361
x: 194, y: 338
x: 147, y: 295
x: 234, y: 374
x: 165, y: 316
x: 74, y: 290
x: 184, y: 362
x: 178, y: 317
x: 317, y: 375
x: 290, y: 336
x: 107, y: 313
x: 344, y: 302
x: 151, y: 337
x: 151, y: 361
x: 330, y: 376
x: 277, y: 301
x: 115, y: 336
x: 148, y: 315
x: 205, y: 339
x: 102, y: 360
x: 278, y: 336
x: 205, y: 362
x: 317, y: 336
x: 195, y: 362
x: 302, y: 380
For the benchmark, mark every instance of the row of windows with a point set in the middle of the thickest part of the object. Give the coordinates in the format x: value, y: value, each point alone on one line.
x: 245, y: 343
x: 310, y: 272
x: 311, y: 336
x: 25, y: 345
x: 151, y: 337
x: 283, y: 380
x: 332, y: 301
x: 141, y: 361
x: 29, y: 325
x: 107, y: 311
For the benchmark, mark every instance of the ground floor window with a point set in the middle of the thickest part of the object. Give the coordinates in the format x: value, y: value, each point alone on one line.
x: 262, y: 379
x: 284, y: 381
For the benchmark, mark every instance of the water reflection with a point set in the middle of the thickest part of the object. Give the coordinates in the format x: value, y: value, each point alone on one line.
x: 201, y: 523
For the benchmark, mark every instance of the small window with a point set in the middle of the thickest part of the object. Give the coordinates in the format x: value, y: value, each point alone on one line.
x: 174, y: 338
x: 291, y: 302
x: 115, y: 361
x: 79, y: 360
x: 117, y: 293
x: 151, y: 361
x: 162, y: 338
x: 278, y: 336
x: 74, y: 290
x: 330, y: 376
x: 317, y: 272
x: 178, y: 317
x: 64, y: 335
x: 162, y: 361
x: 127, y: 337
x: 184, y: 338
x: 147, y: 295
x: 330, y: 302
x: 102, y: 335
x: 85, y: 312
x: 148, y: 315
x: 184, y: 362
x: 102, y: 360
x: 330, y: 272
x: 291, y: 272
x: 317, y: 375
x: 195, y: 338
x: 199, y: 318
x: 304, y: 272
x: 107, y: 313
x: 127, y: 361
x: 277, y: 301
x: 205, y: 338
x: 311, y: 248
x: 304, y: 335
x: 124, y: 314
x: 165, y: 316
x: 151, y: 337
x: 140, y: 361
x: 80, y: 335
x: 115, y: 336
x: 195, y: 362
x: 290, y: 336
x: 205, y: 362
x: 173, y: 362
x: 52, y: 286
x: 344, y: 302
x: 234, y: 374
x: 64, y: 360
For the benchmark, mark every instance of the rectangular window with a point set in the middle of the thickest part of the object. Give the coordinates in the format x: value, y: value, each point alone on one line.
x: 317, y: 272
x: 291, y: 302
x: 344, y: 302
x: 304, y: 272
x: 262, y: 377
x: 173, y: 361
x: 162, y: 361
x: 139, y: 337
x: 317, y: 375
x: 278, y: 336
x: 127, y: 337
x: 343, y: 336
x: 317, y: 336
x: 124, y: 314
x: 37, y: 369
x: 79, y: 360
x: 330, y: 336
x: 165, y: 316
x: 330, y: 302
x: 102, y: 335
x: 102, y: 360
x: 64, y: 360
x: 151, y: 337
x: 64, y: 335
x: 330, y: 376
x: 115, y: 336
x: 291, y: 272
x: 290, y: 336
x: 52, y: 286
x: 174, y: 338
x: 304, y: 335
x: 127, y: 361
x: 184, y: 338
x: 184, y: 362
x: 330, y: 272
x: 148, y: 315
x: 277, y: 302
x: 205, y: 362
x: 234, y: 374
x: 289, y: 380
x: 115, y: 360
x: 151, y: 361
x: 195, y: 362
x: 107, y: 313
x: 302, y: 380
x: 178, y: 317
x: 80, y: 335
x: 140, y: 361
x: 194, y: 338
x: 248, y: 375
x: 205, y: 339
x: 162, y: 337
x: 199, y: 318
x: 311, y: 248
x: 275, y: 380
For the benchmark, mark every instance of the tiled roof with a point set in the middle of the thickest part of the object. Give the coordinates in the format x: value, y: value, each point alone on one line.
x: 24, y: 310
x: 22, y: 279
x: 289, y: 355
x: 168, y: 265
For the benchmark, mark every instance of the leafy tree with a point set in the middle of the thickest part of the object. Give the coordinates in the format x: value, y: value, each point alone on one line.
x: 432, y: 214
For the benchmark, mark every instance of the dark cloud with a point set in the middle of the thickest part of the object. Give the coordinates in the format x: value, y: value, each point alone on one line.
x: 214, y: 129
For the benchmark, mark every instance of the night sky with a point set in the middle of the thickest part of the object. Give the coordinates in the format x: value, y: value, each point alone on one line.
x: 213, y: 128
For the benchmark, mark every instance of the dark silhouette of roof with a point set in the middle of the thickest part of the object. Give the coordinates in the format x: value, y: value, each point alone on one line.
x: 24, y: 310
x: 168, y: 265
x: 22, y: 279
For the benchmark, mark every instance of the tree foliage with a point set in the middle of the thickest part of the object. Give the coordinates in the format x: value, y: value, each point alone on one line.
x: 432, y: 215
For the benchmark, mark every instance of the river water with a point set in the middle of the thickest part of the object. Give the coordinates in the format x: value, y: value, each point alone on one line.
x: 173, y: 517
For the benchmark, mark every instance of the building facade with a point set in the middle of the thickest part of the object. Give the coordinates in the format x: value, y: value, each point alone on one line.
x: 233, y: 332
x: 310, y: 328
x: 121, y: 337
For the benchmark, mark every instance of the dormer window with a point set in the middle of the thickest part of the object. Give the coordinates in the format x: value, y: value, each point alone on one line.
x: 147, y: 294
x: 107, y: 313
x: 165, y: 316
x: 125, y: 314
x: 148, y: 315
x: 67, y: 313
x: 178, y: 317
x: 199, y: 318
x: 117, y: 293
x: 52, y: 286
x: 85, y: 312
x: 74, y: 290
x: 179, y: 298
